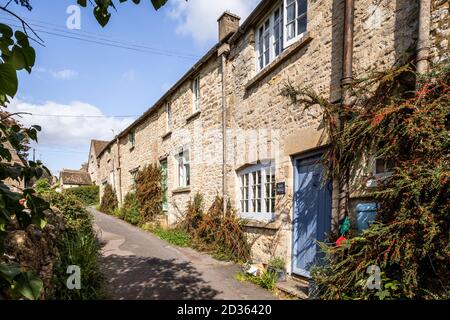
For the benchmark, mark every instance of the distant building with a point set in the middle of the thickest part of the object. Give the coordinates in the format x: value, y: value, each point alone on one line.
x: 74, y: 178
x: 97, y: 146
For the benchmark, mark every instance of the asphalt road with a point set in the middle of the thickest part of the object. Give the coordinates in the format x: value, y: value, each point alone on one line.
x: 139, y: 266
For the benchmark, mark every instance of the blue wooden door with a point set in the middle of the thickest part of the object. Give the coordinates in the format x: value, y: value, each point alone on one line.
x: 312, y: 214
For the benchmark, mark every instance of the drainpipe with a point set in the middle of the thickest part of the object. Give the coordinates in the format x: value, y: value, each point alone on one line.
x: 423, y: 49
x: 224, y: 128
x: 346, y: 81
x: 119, y: 172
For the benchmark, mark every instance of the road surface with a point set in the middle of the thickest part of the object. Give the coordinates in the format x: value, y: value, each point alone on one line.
x: 140, y: 266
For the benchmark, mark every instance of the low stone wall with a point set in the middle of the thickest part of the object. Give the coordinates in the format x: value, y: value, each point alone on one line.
x: 36, y: 250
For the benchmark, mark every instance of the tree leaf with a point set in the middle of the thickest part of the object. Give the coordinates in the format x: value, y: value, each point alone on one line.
x: 9, y: 271
x: 8, y: 80
x: 158, y: 3
x: 28, y: 285
x: 82, y: 3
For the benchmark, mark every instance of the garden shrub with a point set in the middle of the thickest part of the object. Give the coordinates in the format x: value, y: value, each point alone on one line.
x: 149, y: 192
x: 79, y: 246
x: 130, y: 209
x: 409, y: 242
x: 88, y: 195
x: 223, y: 235
x: 109, y: 200
x: 42, y: 185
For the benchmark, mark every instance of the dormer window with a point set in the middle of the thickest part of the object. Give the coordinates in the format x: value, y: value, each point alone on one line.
x: 281, y: 28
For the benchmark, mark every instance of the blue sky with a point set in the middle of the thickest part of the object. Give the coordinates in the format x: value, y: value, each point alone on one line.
x: 80, y: 78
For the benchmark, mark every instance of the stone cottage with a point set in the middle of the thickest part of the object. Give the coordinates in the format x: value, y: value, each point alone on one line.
x: 73, y: 178
x: 92, y: 165
x: 224, y: 128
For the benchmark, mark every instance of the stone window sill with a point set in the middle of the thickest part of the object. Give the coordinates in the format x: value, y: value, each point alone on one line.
x: 181, y: 190
x: 291, y: 50
x: 166, y: 135
x: 272, y: 225
x: 193, y: 116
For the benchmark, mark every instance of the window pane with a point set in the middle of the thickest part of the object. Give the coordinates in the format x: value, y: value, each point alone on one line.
x: 290, y: 11
x: 290, y: 31
x: 301, y: 7
x: 301, y: 25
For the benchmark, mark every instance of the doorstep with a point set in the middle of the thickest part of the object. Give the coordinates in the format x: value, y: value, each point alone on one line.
x: 295, y: 287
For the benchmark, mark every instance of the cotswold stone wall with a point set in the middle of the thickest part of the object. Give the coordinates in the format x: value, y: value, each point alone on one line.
x: 261, y: 123
x: 200, y: 133
x: 385, y: 34
x: 440, y: 31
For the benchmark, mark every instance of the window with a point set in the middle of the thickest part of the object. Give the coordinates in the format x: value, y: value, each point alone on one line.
x: 164, y: 184
x: 270, y: 38
x: 295, y: 19
x: 168, y: 117
x: 184, y: 178
x: 257, y: 192
x: 383, y: 167
x: 284, y: 25
x: 196, y: 94
x: 132, y: 139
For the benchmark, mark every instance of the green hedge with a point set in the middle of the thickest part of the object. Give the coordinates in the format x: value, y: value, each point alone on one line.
x: 78, y: 246
x: 88, y: 195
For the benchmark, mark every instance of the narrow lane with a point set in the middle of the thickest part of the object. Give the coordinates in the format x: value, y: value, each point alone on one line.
x: 140, y: 266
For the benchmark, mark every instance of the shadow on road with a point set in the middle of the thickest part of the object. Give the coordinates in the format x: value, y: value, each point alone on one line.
x: 138, y: 278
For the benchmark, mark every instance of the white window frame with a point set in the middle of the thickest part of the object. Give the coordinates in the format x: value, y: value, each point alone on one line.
x: 196, y: 96
x: 169, y: 117
x: 297, y: 36
x: 246, y: 180
x: 184, y: 169
x: 271, y: 31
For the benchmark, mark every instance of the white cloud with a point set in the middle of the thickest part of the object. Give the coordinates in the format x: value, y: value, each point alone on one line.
x: 64, y: 74
x: 69, y: 132
x: 198, y: 18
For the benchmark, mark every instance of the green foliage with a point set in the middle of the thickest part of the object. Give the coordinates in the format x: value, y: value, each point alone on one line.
x: 17, y: 283
x: 18, y: 210
x: 216, y: 232
x: 410, y: 240
x: 101, y: 9
x: 130, y: 210
x: 277, y: 263
x: 149, y: 192
x: 177, y: 237
x: 42, y: 185
x: 109, y: 200
x: 267, y: 279
x: 88, y: 195
x: 78, y: 246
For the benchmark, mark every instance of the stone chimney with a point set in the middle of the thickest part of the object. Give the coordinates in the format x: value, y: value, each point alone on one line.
x: 228, y: 24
